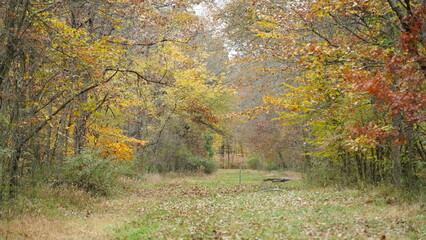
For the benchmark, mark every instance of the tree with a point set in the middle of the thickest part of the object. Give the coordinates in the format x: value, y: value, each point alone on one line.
x: 72, y: 73
x: 356, y: 80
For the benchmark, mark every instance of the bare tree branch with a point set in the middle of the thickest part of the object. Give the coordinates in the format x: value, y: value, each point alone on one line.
x: 140, y: 76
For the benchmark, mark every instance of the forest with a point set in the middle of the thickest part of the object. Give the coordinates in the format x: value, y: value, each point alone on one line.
x: 103, y: 100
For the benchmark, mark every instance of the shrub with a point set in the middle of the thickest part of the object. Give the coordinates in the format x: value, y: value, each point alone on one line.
x: 322, y: 173
x: 272, y: 166
x: 88, y: 171
x: 255, y: 163
x: 209, y: 145
x: 206, y: 165
x: 133, y: 169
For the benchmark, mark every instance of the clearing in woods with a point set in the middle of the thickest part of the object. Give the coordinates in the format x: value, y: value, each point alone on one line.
x: 216, y: 207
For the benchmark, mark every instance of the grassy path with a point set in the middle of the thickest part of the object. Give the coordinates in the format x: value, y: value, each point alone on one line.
x: 216, y: 207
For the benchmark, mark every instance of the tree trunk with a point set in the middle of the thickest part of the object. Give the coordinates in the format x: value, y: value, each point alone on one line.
x: 80, y: 133
x: 395, y: 154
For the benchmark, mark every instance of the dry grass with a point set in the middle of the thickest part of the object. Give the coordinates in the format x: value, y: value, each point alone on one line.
x: 403, y: 211
x: 69, y: 213
x: 153, y: 177
x: 42, y: 227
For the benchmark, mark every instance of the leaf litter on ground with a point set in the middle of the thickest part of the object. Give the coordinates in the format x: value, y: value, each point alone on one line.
x: 219, y: 208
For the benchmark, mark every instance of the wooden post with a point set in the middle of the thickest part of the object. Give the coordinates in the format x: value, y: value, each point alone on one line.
x: 241, y: 173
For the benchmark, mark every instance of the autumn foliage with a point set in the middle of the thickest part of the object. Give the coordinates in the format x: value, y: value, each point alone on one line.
x: 99, y: 76
x: 332, y: 85
x: 355, y: 80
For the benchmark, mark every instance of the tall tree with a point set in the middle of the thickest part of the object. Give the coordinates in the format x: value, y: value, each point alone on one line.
x: 356, y: 79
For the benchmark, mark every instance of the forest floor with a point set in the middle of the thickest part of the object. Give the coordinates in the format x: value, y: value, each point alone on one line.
x: 217, y: 207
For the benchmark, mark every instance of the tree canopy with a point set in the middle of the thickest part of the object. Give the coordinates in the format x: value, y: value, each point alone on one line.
x: 332, y: 85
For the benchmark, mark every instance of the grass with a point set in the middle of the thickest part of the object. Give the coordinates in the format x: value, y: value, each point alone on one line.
x: 216, y: 207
